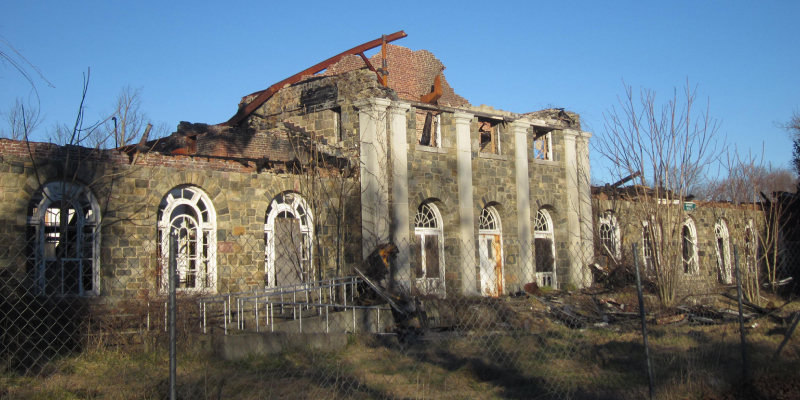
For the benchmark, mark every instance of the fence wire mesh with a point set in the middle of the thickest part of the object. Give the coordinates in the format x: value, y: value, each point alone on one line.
x: 258, y: 316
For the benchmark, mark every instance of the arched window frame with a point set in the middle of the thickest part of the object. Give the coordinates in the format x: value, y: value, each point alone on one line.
x: 490, y: 229
x: 722, y: 244
x: 428, y: 225
x: 750, y: 248
x: 296, y: 205
x: 542, y: 233
x: 609, y: 234
x: 42, y: 216
x: 204, y: 251
x: 651, y: 249
x: 689, y: 246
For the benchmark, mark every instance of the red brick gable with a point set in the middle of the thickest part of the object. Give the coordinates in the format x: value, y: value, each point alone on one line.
x: 411, y: 73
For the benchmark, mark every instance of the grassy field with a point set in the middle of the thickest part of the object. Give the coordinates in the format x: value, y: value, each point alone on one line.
x: 543, y: 360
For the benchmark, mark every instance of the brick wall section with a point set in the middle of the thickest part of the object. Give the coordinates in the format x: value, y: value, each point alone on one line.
x: 411, y: 73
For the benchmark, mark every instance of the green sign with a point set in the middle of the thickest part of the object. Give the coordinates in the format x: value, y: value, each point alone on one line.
x: 689, y: 206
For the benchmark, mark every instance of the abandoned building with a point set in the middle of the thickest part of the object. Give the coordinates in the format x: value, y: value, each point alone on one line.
x: 302, y: 184
x: 687, y: 242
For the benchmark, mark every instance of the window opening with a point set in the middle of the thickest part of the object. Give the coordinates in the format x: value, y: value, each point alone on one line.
x: 689, y: 248
x: 187, y: 222
x: 488, y: 132
x: 750, y: 250
x: 722, y: 241
x: 429, y: 250
x: 608, y: 233
x: 650, y: 237
x: 542, y: 145
x: 63, y: 240
x: 428, y: 129
x: 544, y: 249
x: 490, y: 249
x: 288, y: 234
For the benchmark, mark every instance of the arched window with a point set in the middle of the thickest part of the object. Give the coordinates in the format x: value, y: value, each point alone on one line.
x: 689, y: 248
x: 288, y: 232
x: 428, y: 250
x: 544, y: 249
x: 490, y: 246
x: 187, y: 228
x: 723, y: 247
x: 651, y: 236
x: 608, y: 232
x: 63, y: 218
x: 750, y: 250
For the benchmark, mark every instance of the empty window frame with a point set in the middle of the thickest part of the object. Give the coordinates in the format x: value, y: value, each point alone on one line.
x: 750, y: 250
x: 490, y: 249
x: 428, y: 250
x: 689, y: 248
x: 542, y: 145
x: 64, y: 240
x: 338, y: 131
x: 651, y: 236
x: 489, y: 135
x: 608, y: 232
x: 288, y: 232
x: 429, y: 131
x: 723, y: 247
x: 187, y: 228
x: 544, y: 249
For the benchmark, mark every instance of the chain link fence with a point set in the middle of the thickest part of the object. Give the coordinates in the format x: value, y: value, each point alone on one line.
x: 258, y: 318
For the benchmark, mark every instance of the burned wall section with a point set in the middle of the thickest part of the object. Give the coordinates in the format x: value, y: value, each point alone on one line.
x: 129, y: 197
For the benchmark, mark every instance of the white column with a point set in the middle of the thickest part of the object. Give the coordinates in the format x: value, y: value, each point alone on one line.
x: 579, y: 230
x: 372, y: 123
x: 400, y: 220
x: 523, y: 201
x: 466, y: 203
x: 584, y: 197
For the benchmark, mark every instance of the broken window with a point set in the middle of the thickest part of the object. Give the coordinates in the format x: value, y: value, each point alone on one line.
x: 187, y: 229
x: 542, y: 145
x: 288, y: 231
x: 750, y: 249
x: 650, y: 249
x: 723, y: 247
x: 63, y: 240
x: 429, y: 132
x: 689, y: 247
x: 608, y: 232
x: 488, y: 132
x: 338, y: 131
x: 490, y: 247
x: 544, y: 249
x: 429, y: 249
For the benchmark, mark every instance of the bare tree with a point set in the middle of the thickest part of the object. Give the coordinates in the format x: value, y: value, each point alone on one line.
x: 670, y: 146
x: 20, y: 120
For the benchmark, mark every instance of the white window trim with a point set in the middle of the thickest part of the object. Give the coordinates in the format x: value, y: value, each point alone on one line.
x: 276, y: 207
x: 431, y: 285
x: 721, y: 232
x: 203, y: 227
x: 546, y: 278
x: 694, y: 266
x: 752, y: 245
x: 610, y: 219
x: 497, y: 231
x: 655, y: 240
x: 53, y: 192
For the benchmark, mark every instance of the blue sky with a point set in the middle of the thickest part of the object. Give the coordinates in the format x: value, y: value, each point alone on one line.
x: 195, y: 60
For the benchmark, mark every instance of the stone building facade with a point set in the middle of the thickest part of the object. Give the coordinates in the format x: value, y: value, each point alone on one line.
x: 478, y: 201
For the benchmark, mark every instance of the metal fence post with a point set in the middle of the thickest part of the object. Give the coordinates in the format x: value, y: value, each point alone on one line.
x: 173, y: 364
x: 741, y: 314
x: 650, y: 377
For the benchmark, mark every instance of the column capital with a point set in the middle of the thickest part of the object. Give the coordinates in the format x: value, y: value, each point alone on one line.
x: 398, y: 108
x: 462, y: 117
x: 574, y: 134
x: 520, y: 126
x: 373, y: 103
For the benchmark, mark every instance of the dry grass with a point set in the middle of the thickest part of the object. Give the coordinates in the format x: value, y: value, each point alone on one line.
x: 544, y: 360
